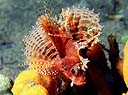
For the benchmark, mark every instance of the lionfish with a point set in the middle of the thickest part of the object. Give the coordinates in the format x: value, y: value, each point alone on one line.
x: 53, y: 45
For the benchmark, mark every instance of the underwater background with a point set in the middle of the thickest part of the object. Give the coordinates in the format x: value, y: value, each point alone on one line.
x: 18, y: 16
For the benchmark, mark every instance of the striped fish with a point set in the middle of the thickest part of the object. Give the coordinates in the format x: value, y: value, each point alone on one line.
x: 53, y: 45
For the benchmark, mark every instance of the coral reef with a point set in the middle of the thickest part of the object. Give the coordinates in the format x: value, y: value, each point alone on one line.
x: 17, y: 17
x: 63, y: 54
x: 77, y: 28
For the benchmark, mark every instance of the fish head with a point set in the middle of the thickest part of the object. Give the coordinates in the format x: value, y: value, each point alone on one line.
x: 77, y: 74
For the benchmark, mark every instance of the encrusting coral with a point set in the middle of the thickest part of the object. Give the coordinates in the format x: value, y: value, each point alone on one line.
x: 24, y: 78
x: 32, y: 83
x: 125, y: 64
x: 34, y: 90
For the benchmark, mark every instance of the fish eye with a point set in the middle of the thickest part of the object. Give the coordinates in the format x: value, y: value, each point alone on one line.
x: 73, y: 71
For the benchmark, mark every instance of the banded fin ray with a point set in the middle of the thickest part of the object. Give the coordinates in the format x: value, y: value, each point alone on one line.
x: 39, y: 44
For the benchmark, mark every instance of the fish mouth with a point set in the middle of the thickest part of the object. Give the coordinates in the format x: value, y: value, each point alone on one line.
x: 79, y: 81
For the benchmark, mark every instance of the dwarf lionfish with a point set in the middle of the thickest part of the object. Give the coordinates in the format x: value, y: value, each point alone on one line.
x: 53, y: 44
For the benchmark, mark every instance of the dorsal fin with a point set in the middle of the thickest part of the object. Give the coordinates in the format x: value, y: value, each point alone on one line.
x: 40, y: 51
x: 39, y: 44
